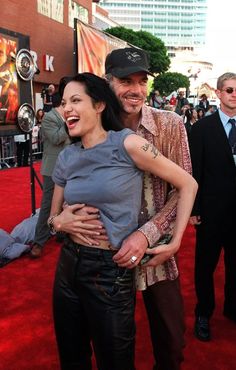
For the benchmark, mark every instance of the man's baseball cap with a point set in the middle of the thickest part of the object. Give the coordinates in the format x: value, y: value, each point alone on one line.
x: 123, y: 62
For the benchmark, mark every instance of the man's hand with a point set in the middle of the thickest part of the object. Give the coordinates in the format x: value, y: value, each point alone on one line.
x: 195, y: 220
x: 133, y: 246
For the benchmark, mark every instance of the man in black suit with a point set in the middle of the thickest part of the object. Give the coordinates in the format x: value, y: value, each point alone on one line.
x: 213, y: 153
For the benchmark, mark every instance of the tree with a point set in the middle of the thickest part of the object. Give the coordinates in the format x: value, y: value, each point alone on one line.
x: 159, y: 59
x: 167, y: 82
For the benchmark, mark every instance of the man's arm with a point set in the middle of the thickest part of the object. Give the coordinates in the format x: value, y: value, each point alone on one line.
x: 197, y: 160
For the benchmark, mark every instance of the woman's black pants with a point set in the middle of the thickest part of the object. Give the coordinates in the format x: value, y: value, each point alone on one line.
x: 93, y: 303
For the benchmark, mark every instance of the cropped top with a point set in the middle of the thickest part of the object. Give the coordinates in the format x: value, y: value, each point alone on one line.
x: 105, y: 177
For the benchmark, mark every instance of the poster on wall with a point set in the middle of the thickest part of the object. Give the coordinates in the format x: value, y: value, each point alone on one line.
x: 9, y: 87
x: 14, y: 90
x: 92, y: 47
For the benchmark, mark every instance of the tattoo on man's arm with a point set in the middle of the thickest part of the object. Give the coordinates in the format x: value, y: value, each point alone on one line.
x: 152, y: 148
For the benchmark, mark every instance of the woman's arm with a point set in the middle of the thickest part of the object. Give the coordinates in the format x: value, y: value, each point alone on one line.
x: 148, y: 158
x: 57, y: 200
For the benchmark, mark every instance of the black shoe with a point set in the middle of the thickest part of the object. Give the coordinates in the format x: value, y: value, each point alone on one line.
x: 202, y: 328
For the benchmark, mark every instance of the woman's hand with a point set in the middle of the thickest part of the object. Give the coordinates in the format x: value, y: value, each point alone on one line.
x: 71, y: 221
x: 101, y: 231
x: 81, y: 221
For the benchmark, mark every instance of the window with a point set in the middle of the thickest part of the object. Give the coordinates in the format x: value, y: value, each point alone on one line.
x: 77, y: 11
x: 52, y: 9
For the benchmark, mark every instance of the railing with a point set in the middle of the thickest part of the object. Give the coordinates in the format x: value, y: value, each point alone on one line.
x: 8, y: 151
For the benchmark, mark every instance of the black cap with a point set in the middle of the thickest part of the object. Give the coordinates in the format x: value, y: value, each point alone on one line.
x: 123, y: 62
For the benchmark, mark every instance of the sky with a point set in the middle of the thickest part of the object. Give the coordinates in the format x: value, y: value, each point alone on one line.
x: 221, y: 36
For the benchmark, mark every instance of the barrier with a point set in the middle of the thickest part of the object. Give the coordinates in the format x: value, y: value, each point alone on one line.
x: 8, y: 150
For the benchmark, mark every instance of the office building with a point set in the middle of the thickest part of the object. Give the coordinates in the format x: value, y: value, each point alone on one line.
x: 180, y: 24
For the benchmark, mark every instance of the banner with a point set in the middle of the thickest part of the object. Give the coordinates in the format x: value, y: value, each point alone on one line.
x: 9, y: 94
x: 93, y: 46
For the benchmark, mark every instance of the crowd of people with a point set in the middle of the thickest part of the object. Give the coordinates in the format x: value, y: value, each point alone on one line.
x: 122, y: 172
x: 179, y: 104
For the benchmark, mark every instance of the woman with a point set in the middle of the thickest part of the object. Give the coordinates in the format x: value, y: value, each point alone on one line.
x: 94, y: 298
x: 36, y: 134
x: 39, y: 117
x: 200, y: 113
x: 190, y: 118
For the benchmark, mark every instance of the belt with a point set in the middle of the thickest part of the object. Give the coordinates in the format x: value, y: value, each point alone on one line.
x: 104, y: 244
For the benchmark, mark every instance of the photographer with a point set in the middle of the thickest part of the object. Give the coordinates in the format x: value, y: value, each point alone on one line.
x: 47, y: 96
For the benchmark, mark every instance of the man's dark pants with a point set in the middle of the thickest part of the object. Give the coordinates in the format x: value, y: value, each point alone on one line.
x: 164, y: 305
x: 208, y: 249
x: 42, y: 232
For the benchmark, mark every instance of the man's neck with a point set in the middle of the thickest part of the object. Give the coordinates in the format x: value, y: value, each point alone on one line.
x: 230, y: 112
x: 131, y: 120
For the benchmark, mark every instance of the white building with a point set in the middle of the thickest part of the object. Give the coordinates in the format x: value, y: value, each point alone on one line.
x: 180, y: 24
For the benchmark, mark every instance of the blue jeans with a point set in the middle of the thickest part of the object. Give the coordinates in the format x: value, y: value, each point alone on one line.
x: 94, y: 302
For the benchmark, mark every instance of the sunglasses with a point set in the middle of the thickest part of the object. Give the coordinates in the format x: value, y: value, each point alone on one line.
x: 229, y: 90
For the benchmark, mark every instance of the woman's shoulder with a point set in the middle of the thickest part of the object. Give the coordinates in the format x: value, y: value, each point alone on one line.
x: 119, y: 136
x: 69, y: 149
x: 123, y: 132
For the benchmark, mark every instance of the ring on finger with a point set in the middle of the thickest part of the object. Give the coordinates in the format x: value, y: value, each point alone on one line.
x: 133, y: 259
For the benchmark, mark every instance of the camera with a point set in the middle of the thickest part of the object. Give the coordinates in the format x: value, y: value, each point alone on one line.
x: 44, y: 92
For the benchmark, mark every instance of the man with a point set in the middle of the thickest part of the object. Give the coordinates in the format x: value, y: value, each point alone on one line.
x: 204, y: 103
x: 54, y: 139
x: 22, y: 149
x: 173, y: 100
x: 181, y: 101
x: 210, y: 110
x: 213, y: 153
x: 155, y: 100
x: 48, y: 95
x: 127, y: 72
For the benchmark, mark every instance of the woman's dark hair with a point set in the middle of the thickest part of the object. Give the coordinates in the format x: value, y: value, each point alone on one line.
x: 99, y: 91
x: 200, y: 110
x: 189, y: 114
x: 62, y: 83
x: 56, y: 100
x: 37, y: 116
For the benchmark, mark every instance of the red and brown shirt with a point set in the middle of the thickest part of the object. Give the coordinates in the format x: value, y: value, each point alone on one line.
x: 166, y: 131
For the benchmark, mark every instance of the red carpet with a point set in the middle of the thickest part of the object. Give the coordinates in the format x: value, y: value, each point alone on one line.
x: 27, y: 339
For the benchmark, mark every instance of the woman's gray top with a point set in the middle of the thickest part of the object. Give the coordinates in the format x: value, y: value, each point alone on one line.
x: 105, y: 177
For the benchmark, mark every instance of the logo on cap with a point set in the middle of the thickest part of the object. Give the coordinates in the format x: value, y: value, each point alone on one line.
x: 133, y: 56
